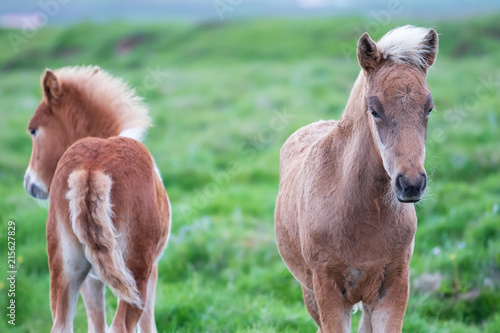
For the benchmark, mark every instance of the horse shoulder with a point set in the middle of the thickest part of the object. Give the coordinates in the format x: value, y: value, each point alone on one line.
x: 299, y: 156
x: 297, y: 146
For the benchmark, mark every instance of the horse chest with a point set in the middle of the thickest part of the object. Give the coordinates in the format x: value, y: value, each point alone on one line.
x: 348, y: 240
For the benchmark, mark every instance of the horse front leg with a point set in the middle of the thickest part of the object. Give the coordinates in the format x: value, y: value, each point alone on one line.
x: 365, y: 325
x: 334, y: 311
x: 388, y: 314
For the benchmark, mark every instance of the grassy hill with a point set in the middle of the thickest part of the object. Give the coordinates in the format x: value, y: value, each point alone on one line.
x: 215, y: 90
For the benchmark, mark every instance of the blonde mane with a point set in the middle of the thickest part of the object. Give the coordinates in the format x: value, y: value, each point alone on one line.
x: 110, y: 96
x: 405, y: 45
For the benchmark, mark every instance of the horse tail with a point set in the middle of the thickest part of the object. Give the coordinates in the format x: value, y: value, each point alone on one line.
x: 91, y: 219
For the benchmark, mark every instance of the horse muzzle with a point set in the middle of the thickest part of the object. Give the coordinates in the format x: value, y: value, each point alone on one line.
x: 410, y: 190
x: 34, y: 187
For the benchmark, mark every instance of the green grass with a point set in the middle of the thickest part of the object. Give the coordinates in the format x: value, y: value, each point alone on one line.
x: 217, y: 144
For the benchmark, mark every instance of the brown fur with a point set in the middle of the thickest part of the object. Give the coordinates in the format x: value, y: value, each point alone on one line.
x: 81, y: 102
x: 340, y: 229
x: 109, y: 214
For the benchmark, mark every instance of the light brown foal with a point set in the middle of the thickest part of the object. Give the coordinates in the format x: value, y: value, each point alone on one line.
x: 109, y: 213
x: 344, y: 218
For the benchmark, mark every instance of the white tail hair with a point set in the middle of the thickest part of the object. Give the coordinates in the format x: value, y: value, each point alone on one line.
x: 91, y: 214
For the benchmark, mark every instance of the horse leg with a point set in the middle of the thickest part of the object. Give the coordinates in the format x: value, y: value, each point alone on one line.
x: 147, y: 322
x: 127, y: 316
x: 365, y: 325
x: 388, y: 313
x: 334, y: 312
x: 311, y: 305
x: 68, y: 268
x: 93, y: 291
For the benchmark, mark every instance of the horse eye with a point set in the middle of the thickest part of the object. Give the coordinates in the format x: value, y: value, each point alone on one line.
x: 374, y: 114
x: 429, y: 112
x: 33, y: 131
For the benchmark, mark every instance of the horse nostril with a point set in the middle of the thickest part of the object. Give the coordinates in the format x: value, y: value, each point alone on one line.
x: 410, y: 189
x: 32, y: 190
x: 399, y: 182
x: 423, y: 181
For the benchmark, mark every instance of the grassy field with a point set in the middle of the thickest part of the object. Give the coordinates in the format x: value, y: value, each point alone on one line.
x: 216, y: 92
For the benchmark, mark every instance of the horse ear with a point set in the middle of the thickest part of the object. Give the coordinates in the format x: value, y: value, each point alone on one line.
x: 368, y: 57
x: 430, y: 45
x: 50, y: 86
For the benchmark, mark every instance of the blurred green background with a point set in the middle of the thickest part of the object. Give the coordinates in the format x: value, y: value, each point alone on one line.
x: 224, y: 94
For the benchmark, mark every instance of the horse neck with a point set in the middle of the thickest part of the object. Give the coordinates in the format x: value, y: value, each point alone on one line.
x: 362, y: 170
x: 83, y: 119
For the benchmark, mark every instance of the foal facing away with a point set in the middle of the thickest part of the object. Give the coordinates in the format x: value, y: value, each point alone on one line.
x: 109, y: 215
x: 344, y: 218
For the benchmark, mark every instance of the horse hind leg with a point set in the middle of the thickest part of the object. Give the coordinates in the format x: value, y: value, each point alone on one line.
x: 147, y: 322
x: 127, y: 315
x: 93, y: 294
x: 68, y: 269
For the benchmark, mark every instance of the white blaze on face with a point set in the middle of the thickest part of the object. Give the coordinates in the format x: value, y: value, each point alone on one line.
x: 384, y: 152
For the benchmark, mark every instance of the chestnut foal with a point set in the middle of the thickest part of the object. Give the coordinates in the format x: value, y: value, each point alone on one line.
x: 344, y: 219
x: 109, y: 215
